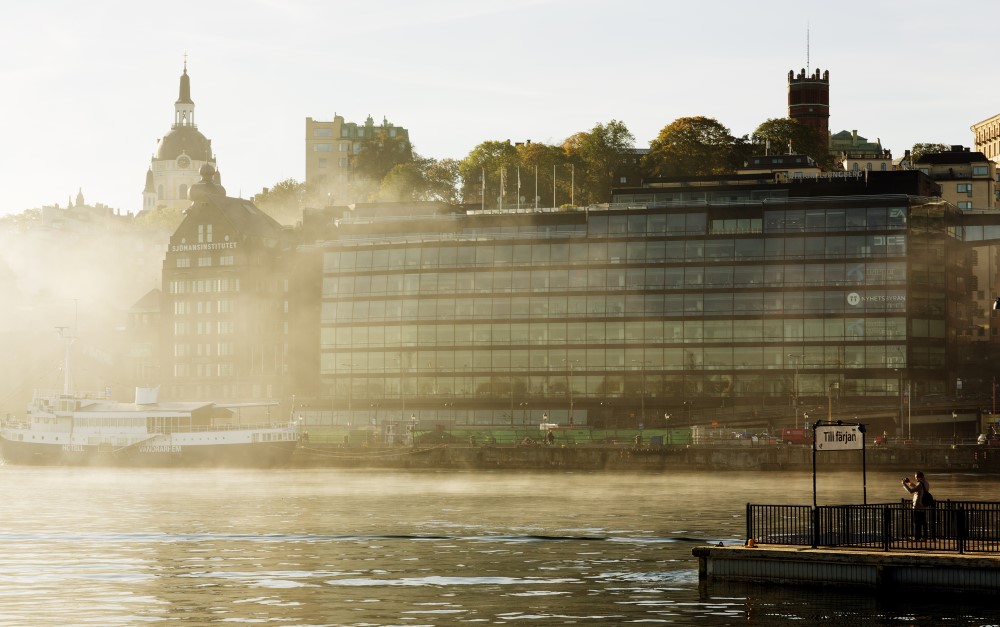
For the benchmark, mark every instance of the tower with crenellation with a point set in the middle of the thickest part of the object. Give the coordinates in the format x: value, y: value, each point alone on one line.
x: 809, y: 99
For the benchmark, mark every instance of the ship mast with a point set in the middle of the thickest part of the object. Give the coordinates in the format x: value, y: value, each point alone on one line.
x: 67, y: 359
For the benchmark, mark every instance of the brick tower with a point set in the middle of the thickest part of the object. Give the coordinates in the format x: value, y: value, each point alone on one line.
x: 809, y: 100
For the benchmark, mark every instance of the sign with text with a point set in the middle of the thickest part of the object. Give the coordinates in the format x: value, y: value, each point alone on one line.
x: 839, y: 438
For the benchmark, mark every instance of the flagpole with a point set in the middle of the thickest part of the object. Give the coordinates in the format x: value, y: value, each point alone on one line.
x: 536, y: 188
x: 519, y: 189
x: 572, y: 183
x: 483, y: 195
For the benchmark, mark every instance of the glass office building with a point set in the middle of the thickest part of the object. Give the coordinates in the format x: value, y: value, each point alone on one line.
x: 714, y: 297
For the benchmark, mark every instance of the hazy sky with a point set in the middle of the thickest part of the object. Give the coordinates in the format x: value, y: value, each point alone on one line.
x: 89, y: 87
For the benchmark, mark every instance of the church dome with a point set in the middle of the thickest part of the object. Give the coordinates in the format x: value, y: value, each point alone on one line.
x: 184, y: 139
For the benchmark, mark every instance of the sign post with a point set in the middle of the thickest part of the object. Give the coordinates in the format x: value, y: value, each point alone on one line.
x: 840, y: 436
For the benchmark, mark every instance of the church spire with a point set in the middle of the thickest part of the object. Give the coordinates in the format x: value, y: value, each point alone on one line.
x: 184, y: 107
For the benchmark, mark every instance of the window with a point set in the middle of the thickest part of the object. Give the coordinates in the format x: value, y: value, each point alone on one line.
x: 322, y: 147
x: 204, y: 233
x: 226, y: 260
x: 183, y: 262
x: 204, y: 262
x: 965, y: 205
x: 868, y: 166
x: 965, y: 188
x: 980, y: 170
x: 322, y: 132
x: 322, y: 163
x: 343, y: 163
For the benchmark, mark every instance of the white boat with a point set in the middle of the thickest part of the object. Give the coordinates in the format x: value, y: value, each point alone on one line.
x: 90, y: 429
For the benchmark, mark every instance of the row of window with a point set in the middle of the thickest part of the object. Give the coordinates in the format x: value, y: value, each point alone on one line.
x: 603, y: 279
x: 640, y: 332
x: 615, y: 360
x: 204, y: 327
x: 205, y: 261
x: 220, y: 349
x: 343, y: 163
x: 185, y: 307
x: 341, y: 147
x: 680, y: 304
x: 602, y: 252
x: 203, y: 370
x: 548, y: 388
x: 199, y: 286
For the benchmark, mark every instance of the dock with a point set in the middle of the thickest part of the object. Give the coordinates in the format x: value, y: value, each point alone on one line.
x: 870, y: 545
x: 796, y: 565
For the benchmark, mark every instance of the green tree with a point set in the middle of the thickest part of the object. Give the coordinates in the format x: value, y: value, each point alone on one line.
x: 598, y: 154
x: 919, y: 150
x: 380, y: 153
x: 284, y: 201
x: 692, y: 146
x: 540, y: 166
x: 422, y: 179
x: 782, y: 133
x: 484, y: 169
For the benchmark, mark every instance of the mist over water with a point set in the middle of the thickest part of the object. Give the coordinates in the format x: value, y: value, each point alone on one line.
x: 337, y: 547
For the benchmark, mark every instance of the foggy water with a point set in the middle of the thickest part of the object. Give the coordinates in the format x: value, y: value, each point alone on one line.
x: 334, y: 547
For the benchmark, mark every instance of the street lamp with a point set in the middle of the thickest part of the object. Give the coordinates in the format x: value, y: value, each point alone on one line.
x: 642, y: 397
x: 795, y: 386
x: 569, y: 387
x: 350, y: 390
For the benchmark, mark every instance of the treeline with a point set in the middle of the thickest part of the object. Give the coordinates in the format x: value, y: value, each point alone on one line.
x: 581, y: 170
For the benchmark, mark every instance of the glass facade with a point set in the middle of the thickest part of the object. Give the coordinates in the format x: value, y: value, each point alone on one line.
x: 639, y: 309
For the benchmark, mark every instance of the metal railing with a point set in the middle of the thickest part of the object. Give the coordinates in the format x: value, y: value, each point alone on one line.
x: 960, y: 526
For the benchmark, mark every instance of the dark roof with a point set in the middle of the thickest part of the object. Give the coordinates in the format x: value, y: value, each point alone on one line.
x: 150, y: 302
x: 952, y: 156
x: 245, y: 217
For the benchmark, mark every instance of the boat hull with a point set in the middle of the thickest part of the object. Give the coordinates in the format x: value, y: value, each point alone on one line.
x: 249, y: 454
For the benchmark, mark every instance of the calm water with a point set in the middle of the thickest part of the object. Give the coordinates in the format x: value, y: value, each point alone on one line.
x: 333, y: 547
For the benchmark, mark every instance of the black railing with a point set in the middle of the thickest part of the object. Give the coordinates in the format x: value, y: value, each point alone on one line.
x: 961, y: 526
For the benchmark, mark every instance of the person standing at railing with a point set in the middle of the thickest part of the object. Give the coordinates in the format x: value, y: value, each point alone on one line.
x: 918, y: 489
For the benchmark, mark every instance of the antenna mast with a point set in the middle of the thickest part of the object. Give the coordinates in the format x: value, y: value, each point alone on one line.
x: 807, y: 49
x: 67, y: 359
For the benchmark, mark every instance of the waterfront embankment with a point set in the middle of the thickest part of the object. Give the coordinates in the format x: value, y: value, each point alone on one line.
x: 905, y: 457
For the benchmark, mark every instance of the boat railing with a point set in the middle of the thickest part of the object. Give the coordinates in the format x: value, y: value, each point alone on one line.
x: 283, y: 426
x: 57, y: 394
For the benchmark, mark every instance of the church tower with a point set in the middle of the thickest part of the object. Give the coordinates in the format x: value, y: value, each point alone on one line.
x: 178, y: 159
x: 809, y: 100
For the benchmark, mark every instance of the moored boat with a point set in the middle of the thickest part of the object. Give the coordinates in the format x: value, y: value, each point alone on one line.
x: 86, y: 429
x: 91, y: 429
